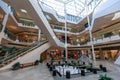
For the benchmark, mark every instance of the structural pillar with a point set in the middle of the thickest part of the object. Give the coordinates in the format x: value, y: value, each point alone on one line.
x: 65, y: 31
x: 92, y: 46
x: 90, y: 25
x: 39, y: 35
x: 3, y: 26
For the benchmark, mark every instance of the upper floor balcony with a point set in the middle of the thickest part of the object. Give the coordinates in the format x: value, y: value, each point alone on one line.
x: 73, y: 31
x: 20, y: 21
x: 109, y: 39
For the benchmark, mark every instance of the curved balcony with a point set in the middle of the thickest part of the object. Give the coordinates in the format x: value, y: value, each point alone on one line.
x: 104, y: 40
x: 12, y: 38
x: 23, y: 22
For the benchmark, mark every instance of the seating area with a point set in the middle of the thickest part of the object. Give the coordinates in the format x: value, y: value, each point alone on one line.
x: 26, y: 65
x: 69, y: 68
x: 19, y: 65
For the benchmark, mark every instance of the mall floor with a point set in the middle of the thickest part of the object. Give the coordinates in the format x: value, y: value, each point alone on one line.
x: 41, y: 72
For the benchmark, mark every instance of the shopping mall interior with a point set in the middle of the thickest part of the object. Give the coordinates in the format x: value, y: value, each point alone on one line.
x: 59, y: 39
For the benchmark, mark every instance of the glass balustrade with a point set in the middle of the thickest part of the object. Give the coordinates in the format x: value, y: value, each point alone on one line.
x: 63, y: 28
x: 10, y: 34
x: 101, y: 38
x: 14, y: 52
x: 18, y: 38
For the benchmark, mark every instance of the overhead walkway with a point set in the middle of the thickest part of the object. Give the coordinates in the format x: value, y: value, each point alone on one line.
x: 30, y: 54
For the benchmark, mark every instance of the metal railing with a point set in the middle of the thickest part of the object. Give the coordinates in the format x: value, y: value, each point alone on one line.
x: 18, y: 53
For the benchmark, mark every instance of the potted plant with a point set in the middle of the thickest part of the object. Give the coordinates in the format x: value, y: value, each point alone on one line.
x: 36, y: 62
x: 104, y: 77
x: 41, y: 60
x: 16, y: 66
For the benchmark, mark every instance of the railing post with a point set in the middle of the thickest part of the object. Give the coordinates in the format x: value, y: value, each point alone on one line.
x: 39, y: 35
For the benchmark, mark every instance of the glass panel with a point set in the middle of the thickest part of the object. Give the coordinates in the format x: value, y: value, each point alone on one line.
x: 74, y: 8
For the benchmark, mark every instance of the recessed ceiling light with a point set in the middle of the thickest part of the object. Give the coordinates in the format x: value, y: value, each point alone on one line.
x: 24, y: 11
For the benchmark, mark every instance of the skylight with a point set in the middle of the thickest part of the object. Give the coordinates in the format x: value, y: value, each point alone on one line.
x: 73, y: 7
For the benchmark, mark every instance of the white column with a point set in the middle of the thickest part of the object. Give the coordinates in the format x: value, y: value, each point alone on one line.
x: 3, y: 26
x: 39, y: 34
x: 4, y: 22
x: 90, y: 25
x: 65, y: 31
x: 92, y: 45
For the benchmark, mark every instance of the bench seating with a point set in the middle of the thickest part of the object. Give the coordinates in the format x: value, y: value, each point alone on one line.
x: 26, y: 64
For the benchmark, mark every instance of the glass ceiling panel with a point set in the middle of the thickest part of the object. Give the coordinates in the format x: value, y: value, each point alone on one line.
x: 73, y: 7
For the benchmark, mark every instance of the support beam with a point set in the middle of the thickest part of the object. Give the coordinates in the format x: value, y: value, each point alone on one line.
x: 90, y: 25
x: 92, y: 46
x: 39, y: 35
x: 65, y: 32
x: 3, y: 26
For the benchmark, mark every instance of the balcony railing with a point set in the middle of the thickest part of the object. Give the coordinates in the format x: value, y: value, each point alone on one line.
x: 10, y: 34
x: 23, y: 22
x: 101, y: 40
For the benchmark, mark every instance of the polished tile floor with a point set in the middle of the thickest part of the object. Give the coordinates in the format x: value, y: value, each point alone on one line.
x: 41, y: 72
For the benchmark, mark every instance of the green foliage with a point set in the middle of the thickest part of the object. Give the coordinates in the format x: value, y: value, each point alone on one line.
x: 41, y: 60
x: 16, y: 66
x: 74, y: 30
x: 69, y: 64
x: 36, y: 62
x: 104, y: 77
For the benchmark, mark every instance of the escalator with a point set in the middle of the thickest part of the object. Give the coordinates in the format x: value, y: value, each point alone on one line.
x: 26, y: 55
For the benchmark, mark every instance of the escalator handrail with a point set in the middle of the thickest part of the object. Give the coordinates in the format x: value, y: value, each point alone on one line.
x: 14, y: 56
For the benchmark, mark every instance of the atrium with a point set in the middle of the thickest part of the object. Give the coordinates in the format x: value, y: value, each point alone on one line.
x: 59, y: 39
